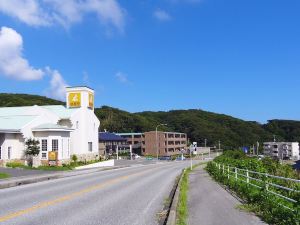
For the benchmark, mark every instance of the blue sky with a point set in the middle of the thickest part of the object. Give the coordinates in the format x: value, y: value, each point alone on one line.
x: 235, y: 57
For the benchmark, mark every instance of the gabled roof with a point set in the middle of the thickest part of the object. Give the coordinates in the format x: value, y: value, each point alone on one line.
x: 105, y: 136
x: 13, y: 119
x: 14, y: 123
x: 15, y: 111
x: 61, y: 111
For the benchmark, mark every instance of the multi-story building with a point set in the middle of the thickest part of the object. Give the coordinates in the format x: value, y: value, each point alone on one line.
x: 135, y: 140
x: 282, y: 150
x: 169, y: 143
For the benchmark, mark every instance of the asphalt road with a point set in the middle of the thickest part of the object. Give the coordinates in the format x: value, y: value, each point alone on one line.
x: 130, y: 196
x: 210, y: 204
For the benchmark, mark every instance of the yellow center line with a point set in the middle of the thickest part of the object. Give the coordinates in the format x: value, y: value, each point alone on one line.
x: 65, y: 198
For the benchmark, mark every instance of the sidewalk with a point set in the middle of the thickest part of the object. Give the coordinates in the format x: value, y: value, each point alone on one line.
x: 210, y: 204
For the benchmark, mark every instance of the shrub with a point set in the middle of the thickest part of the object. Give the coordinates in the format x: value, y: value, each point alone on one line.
x: 271, y: 208
x: 74, y: 158
x: 15, y: 165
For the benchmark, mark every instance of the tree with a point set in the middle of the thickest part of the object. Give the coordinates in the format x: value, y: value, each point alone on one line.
x: 32, y: 147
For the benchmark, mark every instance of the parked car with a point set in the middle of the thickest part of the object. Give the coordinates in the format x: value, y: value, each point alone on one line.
x: 167, y: 158
x: 179, y: 158
x: 135, y: 156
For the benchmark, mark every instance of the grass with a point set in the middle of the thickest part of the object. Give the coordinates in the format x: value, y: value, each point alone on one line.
x: 182, y: 207
x: 65, y: 167
x: 4, y: 175
x: 45, y: 168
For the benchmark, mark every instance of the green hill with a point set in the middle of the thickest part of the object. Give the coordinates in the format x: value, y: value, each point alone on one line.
x: 198, y: 124
x: 7, y: 100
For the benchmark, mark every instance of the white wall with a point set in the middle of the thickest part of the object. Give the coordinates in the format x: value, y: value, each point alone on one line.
x: 16, y: 142
x: 63, y: 142
x: 87, y: 131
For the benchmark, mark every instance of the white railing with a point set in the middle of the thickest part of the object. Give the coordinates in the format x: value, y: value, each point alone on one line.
x: 261, y: 181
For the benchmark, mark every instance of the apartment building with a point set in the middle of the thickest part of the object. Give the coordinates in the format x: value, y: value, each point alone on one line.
x: 282, y: 150
x: 169, y: 143
x: 135, y: 140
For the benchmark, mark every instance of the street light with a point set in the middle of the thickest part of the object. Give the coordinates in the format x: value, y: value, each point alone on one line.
x: 156, y: 137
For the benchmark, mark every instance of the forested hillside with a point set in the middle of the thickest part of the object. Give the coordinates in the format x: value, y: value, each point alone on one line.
x: 198, y: 124
x: 7, y: 100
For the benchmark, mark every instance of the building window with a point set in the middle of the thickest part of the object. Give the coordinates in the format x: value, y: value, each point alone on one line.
x: 54, y: 145
x: 44, y: 145
x: 44, y: 148
x: 90, y: 146
x: 9, y: 152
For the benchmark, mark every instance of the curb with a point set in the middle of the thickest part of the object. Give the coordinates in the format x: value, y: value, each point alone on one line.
x: 173, y: 210
x: 18, y: 181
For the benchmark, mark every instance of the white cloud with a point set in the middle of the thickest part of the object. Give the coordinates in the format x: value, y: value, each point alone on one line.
x: 58, y: 85
x: 162, y: 15
x: 27, y: 11
x: 64, y: 12
x: 12, y: 63
x: 121, y: 77
x: 14, y: 66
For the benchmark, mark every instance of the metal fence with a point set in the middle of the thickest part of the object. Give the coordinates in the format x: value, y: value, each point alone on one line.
x: 274, y: 185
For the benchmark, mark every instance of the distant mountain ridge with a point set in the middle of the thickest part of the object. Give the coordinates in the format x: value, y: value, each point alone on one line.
x: 8, y: 100
x: 198, y: 124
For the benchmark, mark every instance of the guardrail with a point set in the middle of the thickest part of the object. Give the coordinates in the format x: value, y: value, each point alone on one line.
x: 263, y: 181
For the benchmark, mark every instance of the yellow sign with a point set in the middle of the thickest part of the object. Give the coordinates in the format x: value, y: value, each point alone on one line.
x: 52, y: 156
x: 91, y: 100
x: 75, y: 99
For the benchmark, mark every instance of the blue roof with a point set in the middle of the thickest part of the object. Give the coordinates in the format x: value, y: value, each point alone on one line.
x: 105, y: 136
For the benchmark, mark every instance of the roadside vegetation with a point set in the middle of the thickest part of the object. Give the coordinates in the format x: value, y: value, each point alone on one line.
x: 182, y: 207
x: 4, y: 175
x: 46, y: 168
x: 65, y: 167
x: 257, y: 195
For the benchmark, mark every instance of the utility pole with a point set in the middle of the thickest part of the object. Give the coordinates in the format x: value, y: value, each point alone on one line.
x: 191, y: 158
x: 130, y: 152
x: 117, y: 150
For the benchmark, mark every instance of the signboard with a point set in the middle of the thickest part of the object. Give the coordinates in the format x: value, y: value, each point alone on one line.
x: 75, y: 100
x: 52, y: 156
x: 246, y: 149
x: 91, y: 100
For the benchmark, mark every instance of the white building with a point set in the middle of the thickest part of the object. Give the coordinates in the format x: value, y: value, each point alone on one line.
x: 282, y: 150
x: 65, y: 130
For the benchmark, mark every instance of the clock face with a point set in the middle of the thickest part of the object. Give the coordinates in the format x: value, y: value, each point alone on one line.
x: 91, y: 100
x: 75, y: 100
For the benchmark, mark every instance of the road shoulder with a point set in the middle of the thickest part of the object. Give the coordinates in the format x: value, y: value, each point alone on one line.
x: 210, y: 204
